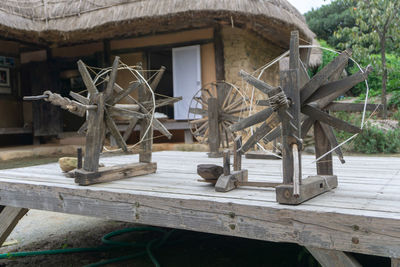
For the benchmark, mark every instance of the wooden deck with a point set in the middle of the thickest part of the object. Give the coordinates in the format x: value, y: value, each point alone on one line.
x: 362, y: 215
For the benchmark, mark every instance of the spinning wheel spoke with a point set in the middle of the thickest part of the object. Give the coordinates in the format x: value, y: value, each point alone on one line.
x: 87, y: 80
x: 110, y: 124
x: 113, y: 77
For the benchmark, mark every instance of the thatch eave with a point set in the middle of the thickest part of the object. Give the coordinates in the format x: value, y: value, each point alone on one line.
x: 271, y: 19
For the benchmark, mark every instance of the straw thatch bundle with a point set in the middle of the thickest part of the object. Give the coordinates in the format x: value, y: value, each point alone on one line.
x: 71, y: 21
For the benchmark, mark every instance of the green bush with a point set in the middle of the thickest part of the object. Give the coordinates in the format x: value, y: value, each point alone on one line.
x: 375, y: 78
x: 374, y: 140
x: 394, y: 100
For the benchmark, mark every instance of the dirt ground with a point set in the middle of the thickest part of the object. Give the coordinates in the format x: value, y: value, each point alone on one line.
x: 43, y: 230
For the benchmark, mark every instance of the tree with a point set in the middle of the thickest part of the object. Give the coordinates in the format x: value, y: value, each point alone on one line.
x: 327, y: 19
x: 377, y: 27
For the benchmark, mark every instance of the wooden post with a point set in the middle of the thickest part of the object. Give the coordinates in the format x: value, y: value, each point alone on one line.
x: 333, y: 258
x: 237, y: 154
x: 9, y: 217
x: 322, y: 145
x: 219, y: 53
x: 214, y: 134
x: 291, y: 126
x: 95, y: 135
x: 395, y: 262
x: 146, y: 145
x: 227, y: 162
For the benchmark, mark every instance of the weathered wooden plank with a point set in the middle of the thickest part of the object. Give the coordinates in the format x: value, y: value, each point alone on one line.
x: 352, y: 107
x: 319, y: 115
x: 9, y: 217
x: 333, y: 258
x: 318, y: 79
x: 395, y: 262
x: 318, y: 229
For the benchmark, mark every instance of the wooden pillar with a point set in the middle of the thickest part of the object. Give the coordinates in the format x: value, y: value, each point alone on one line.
x: 9, y: 217
x: 291, y: 125
x: 219, y: 53
x: 188, y: 136
x: 213, y: 135
x: 95, y: 134
x: 333, y: 258
x: 147, y: 143
x: 395, y: 262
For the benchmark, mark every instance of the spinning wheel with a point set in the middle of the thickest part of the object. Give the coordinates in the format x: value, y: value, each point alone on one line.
x: 291, y: 109
x: 100, y: 108
x: 213, y: 109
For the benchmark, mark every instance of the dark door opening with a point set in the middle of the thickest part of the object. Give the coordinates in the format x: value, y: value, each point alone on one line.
x: 156, y: 59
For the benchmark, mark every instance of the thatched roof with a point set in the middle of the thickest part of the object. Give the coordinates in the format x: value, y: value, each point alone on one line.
x: 55, y: 22
x: 315, y: 58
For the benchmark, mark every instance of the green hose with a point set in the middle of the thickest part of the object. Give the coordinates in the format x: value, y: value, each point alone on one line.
x: 109, y: 244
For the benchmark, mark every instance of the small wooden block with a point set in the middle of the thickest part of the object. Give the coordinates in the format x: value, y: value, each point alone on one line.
x: 209, y: 171
x: 107, y: 174
x: 230, y: 182
x: 260, y: 155
x: 310, y: 187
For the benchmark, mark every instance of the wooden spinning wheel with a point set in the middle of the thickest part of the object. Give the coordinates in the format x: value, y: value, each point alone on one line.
x: 291, y: 109
x: 213, y: 109
x: 100, y: 108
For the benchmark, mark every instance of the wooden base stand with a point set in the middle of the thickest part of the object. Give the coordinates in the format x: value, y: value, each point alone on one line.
x: 309, y: 188
x: 229, y: 182
x: 107, y: 174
